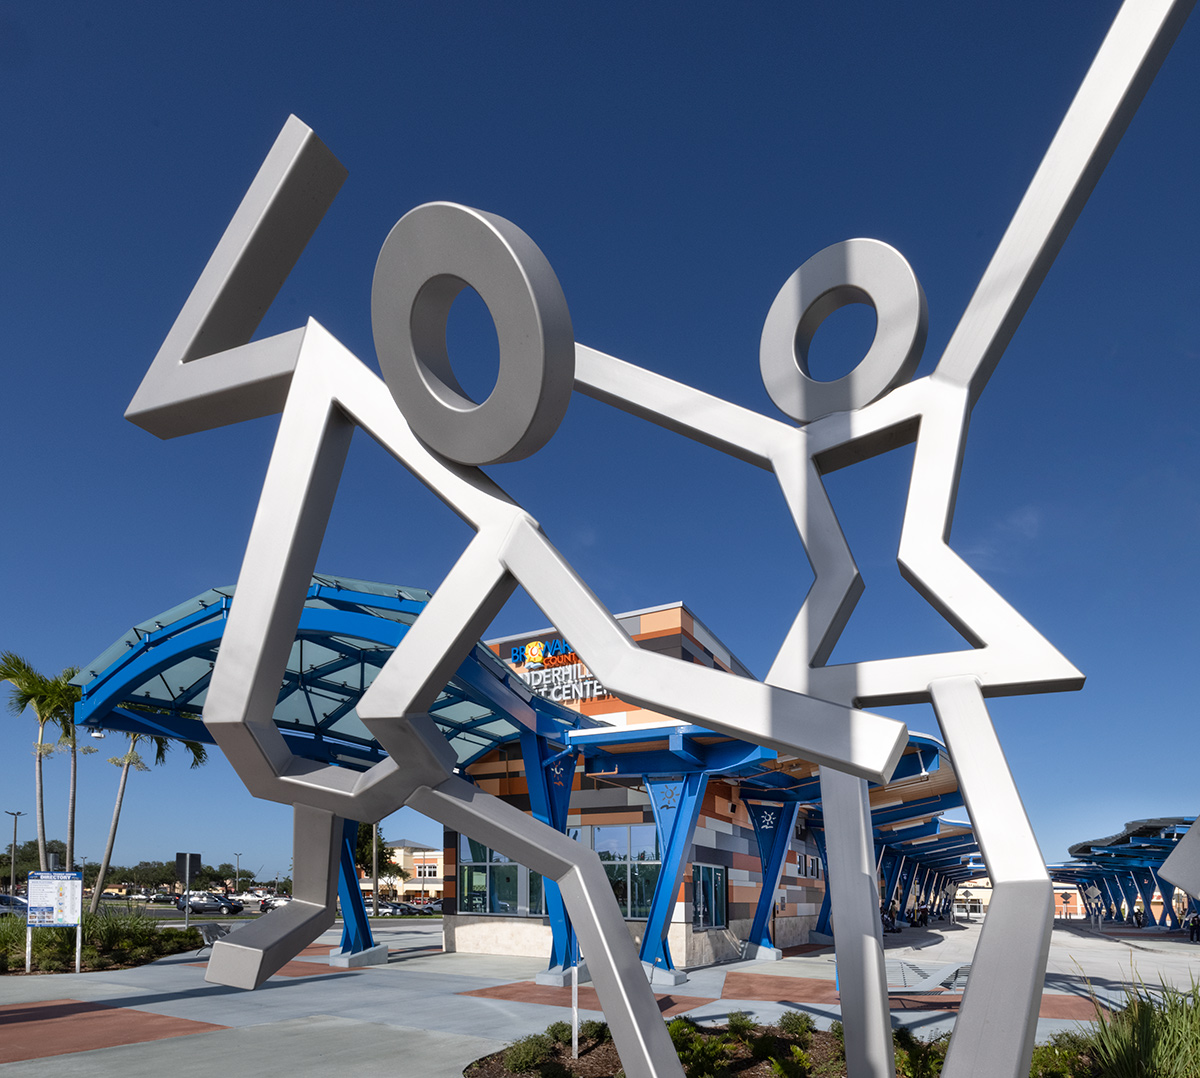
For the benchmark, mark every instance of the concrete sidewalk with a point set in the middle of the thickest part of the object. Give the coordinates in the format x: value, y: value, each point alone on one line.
x: 431, y: 1013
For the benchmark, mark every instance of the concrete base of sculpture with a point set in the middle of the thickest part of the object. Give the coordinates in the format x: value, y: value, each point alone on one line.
x: 560, y: 976
x: 658, y: 975
x: 820, y: 937
x: 756, y: 952
x: 372, y: 956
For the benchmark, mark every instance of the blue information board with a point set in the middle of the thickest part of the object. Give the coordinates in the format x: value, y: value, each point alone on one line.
x: 55, y: 899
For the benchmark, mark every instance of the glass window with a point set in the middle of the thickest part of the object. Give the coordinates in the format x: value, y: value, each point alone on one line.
x: 618, y: 880
x: 472, y: 889
x: 643, y: 843
x: 470, y: 851
x: 502, y: 895
x: 612, y: 843
x: 489, y: 882
x: 642, y: 881
x: 708, y: 897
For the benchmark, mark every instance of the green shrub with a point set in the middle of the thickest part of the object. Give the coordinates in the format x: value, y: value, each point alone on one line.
x: 593, y: 1030
x: 528, y: 1053
x: 765, y: 1046
x: 704, y: 1057
x: 559, y: 1032
x: 796, y: 1064
x: 740, y: 1024
x: 682, y: 1032
x: 1156, y: 1033
x: 798, y: 1025
x: 916, y: 1058
x: 1064, y: 1055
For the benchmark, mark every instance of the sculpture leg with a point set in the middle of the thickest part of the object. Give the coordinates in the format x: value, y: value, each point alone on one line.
x: 1009, y: 967
x: 629, y: 1006
x: 857, y: 931
x: 247, y: 957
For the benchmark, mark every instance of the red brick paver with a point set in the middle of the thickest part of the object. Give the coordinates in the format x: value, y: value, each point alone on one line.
x: 59, y: 1027
x: 548, y: 996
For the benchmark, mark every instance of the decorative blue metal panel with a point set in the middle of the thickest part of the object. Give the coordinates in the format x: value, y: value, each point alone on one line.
x: 676, y: 804
x: 773, y: 825
x: 549, y: 774
x: 356, y: 928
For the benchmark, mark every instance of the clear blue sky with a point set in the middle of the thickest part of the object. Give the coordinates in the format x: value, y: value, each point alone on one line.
x: 676, y: 162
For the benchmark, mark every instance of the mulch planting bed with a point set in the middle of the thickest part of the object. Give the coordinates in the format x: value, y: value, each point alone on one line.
x: 600, y: 1059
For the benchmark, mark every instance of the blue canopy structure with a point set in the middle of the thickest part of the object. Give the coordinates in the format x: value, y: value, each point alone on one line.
x: 154, y: 679
x: 1125, y: 867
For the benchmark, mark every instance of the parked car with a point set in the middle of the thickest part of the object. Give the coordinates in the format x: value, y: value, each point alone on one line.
x: 206, y: 902
x: 398, y: 909
x: 11, y: 904
x: 163, y: 898
x: 271, y: 902
x: 431, y: 907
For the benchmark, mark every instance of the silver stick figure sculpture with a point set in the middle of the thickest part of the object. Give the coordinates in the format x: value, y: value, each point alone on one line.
x: 421, y: 416
x: 209, y: 372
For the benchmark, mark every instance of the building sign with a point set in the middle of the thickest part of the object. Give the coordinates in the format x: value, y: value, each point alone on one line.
x: 55, y: 898
x: 553, y: 669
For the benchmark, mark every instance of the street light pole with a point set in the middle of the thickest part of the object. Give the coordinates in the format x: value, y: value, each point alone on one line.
x: 237, y: 874
x: 375, y: 870
x: 12, y: 880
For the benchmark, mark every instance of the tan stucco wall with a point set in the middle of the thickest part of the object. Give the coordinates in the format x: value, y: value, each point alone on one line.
x: 478, y: 934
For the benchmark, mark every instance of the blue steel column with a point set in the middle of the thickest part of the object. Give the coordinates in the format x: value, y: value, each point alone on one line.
x: 1128, y: 888
x: 926, y: 888
x: 893, y: 861
x: 919, y: 876
x: 356, y: 929
x: 1167, y: 890
x: 676, y: 804
x: 823, y: 917
x: 930, y: 887
x: 908, y: 877
x: 773, y: 828
x: 549, y: 775
x: 1144, y: 879
x: 1114, y: 894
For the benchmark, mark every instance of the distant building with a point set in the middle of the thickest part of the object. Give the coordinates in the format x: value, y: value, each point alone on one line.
x: 426, y: 868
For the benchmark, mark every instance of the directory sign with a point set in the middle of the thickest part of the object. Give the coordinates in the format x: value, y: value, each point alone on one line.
x: 55, y: 898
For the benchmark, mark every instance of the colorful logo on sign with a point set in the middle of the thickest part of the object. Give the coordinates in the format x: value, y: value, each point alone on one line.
x: 539, y: 653
x: 553, y: 670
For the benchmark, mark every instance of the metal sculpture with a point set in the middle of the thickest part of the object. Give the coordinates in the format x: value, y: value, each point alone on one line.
x: 869, y: 411
x: 423, y: 419
x: 209, y: 373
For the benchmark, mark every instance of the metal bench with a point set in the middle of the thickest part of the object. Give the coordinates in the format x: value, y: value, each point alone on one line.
x: 908, y: 978
x: 210, y: 932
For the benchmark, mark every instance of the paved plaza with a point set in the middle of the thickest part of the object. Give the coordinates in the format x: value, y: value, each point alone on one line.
x: 431, y: 1013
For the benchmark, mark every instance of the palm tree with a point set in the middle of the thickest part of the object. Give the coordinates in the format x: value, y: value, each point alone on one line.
x: 52, y: 699
x: 67, y: 742
x: 132, y: 759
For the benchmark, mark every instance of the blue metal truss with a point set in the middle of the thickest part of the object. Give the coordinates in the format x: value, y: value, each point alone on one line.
x: 773, y: 824
x: 549, y: 774
x: 154, y: 679
x: 356, y: 928
x: 676, y: 804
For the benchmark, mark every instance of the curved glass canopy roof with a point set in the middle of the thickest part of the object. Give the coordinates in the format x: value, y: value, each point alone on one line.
x: 154, y: 679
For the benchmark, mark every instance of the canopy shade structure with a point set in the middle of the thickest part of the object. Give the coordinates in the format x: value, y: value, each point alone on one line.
x: 154, y: 678
x: 1125, y: 866
x: 906, y: 813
